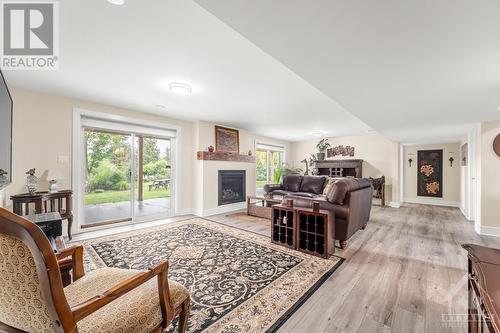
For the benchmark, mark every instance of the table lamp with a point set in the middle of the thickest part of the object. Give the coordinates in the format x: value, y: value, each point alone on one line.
x: 52, y: 176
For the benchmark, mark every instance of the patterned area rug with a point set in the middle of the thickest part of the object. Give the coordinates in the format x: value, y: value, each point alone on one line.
x: 239, y: 281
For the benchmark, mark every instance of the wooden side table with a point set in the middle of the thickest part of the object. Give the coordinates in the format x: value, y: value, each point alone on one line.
x: 44, y: 202
x: 483, y: 289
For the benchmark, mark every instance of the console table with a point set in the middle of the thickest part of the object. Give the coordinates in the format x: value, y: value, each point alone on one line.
x: 340, y: 168
x: 483, y: 289
x: 304, y: 229
x: 45, y: 202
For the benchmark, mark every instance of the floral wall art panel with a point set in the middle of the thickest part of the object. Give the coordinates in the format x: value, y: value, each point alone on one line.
x: 430, y: 173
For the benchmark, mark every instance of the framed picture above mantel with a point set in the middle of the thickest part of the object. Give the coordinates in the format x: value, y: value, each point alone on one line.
x: 227, y: 140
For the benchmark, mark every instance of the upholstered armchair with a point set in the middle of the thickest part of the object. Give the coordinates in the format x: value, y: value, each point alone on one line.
x: 32, y: 297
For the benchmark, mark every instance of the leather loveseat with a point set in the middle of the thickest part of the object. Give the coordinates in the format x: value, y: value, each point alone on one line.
x: 350, y: 199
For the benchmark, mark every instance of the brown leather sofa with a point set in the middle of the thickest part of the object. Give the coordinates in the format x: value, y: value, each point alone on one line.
x: 350, y: 199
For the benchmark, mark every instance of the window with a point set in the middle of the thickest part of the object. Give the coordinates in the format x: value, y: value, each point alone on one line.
x: 269, y: 161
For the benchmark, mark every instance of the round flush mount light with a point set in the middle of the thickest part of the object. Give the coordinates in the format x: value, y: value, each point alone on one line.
x: 117, y: 2
x: 179, y: 88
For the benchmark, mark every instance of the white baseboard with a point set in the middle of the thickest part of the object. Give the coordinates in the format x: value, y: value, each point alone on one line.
x: 187, y: 211
x: 218, y: 210
x: 434, y: 202
x: 490, y: 231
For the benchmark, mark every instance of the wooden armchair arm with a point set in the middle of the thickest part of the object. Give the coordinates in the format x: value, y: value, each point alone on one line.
x: 76, y: 253
x: 86, y: 308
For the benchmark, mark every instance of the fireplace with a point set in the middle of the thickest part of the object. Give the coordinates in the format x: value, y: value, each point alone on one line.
x: 232, y: 186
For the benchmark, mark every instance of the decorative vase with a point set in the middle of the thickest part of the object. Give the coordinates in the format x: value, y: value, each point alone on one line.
x: 320, y: 156
x: 249, y: 153
x: 31, y: 181
x: 211, y: 149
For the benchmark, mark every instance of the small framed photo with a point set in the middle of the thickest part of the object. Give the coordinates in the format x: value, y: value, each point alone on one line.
x: 227, y: 139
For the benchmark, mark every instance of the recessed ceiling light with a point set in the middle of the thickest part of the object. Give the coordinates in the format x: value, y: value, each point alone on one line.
x: 160, y: 106
x: 317, y: 134
x: 117, y: 2
x: 180, y: 88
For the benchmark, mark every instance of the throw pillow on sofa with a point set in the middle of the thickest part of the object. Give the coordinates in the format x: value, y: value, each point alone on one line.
x: 292, y: 183
x: 337, y: 193
x: 312, y: 184
x: 328, y: 185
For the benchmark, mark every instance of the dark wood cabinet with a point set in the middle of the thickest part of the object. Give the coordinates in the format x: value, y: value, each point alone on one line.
x: 315, y: 234
x: 44, y: 202
x: 483, y: 289
x: 341, y: 168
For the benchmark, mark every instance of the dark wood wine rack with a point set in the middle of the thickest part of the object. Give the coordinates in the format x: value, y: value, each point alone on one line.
x: 283, y: 226
x: 304, y: 230
x: 315, y: 235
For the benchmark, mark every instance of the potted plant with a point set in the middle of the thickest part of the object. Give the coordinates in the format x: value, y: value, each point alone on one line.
x: 322, y: 146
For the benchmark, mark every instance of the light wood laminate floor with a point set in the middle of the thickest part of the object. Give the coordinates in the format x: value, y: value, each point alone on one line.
x: 402, y: 274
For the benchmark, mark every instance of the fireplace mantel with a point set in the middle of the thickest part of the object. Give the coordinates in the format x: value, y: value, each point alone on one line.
x: 224, y: 156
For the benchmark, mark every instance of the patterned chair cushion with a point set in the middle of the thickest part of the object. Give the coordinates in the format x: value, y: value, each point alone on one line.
x: 136, y: 311
x: 21, y: 301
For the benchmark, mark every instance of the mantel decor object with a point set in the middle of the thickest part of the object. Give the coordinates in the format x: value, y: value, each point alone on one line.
x: 211, y: 148
x: 227, y: 139
x: 31, y: 181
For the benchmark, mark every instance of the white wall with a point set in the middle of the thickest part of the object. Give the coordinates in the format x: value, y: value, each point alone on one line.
x: 380, y: 156
x: 451, y: 175
x: 43, y: 131
x: 206, y: 172
x: 489, y: 179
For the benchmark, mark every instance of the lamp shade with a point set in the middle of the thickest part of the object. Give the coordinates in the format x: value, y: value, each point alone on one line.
x: 53, y: 174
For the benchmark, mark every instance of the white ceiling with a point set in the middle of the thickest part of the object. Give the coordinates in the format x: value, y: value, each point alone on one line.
x: 127, y: 55
x: 416, y: 70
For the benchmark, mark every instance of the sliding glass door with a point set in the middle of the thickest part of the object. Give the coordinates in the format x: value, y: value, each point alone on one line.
x: 108, y: 185
x: 127, y: 177
x: 153, y: 177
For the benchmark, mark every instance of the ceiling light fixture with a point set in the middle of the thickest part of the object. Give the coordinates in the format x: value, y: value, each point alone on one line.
x: 180, y: 88
x: 317, y: 134
x: 160, y: 106
x: 117, y: 2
